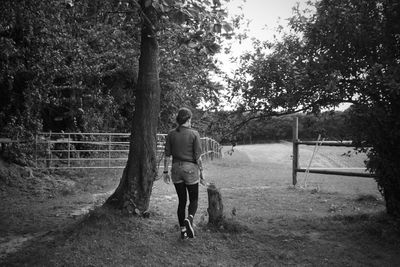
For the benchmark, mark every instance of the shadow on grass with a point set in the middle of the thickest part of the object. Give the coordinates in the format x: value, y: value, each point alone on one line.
x: 368, y: 198
x: 380, y: 226
x: 227, y: 226
x: 105, y: 237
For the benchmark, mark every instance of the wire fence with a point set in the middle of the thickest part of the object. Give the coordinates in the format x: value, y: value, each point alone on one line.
x: 98, y: 150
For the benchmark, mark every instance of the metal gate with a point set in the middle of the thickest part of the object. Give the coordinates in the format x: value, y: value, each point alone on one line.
x: 98, y: 150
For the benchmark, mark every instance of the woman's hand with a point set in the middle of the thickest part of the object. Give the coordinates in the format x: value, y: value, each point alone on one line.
x: 202, y: 181
x: 166, y: 177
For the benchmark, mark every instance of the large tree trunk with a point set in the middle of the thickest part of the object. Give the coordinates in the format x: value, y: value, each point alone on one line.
x: 134, y: 190
x: 392, y: 200
x: 388, y: 178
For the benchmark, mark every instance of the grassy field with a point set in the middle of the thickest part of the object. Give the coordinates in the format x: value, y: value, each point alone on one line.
x: 334, y: 221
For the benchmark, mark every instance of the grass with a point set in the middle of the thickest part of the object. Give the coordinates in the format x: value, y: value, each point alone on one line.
x: 268, y: 222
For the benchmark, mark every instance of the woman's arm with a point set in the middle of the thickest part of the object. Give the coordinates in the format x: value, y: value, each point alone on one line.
x: 166, y: 163
x: 197, y: 150
x: 200, y: 164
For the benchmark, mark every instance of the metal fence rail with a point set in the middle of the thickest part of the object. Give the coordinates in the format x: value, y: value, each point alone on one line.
x: 98, y: 150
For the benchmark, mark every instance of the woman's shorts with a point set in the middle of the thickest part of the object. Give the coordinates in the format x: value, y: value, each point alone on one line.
x: 185, y: 172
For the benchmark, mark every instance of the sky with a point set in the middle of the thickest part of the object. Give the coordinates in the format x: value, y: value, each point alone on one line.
x: 264, y: 16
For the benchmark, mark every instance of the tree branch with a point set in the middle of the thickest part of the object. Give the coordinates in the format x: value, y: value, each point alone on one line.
x: 278, y: 114
x: 148, y: 21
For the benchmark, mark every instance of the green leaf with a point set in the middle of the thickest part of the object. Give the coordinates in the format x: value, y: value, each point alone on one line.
x: 217, y: 3
x: 148, y: 3
x: 227, y: 27
x: 217, y: 28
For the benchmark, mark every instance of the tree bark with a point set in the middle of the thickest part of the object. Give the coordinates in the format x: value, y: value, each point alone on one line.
x: 392, y: 201
x: 215, y: 207
x: 134, y: 191
x: 389, y: 184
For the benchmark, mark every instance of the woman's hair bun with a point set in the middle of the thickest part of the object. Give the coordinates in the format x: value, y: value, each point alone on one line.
x: 184, y: 114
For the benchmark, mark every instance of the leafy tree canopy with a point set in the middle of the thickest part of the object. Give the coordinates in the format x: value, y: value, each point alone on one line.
x: 72, y: 65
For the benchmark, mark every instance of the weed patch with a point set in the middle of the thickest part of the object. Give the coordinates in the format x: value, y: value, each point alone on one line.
x: 367, y: 198
x: 230, y: 226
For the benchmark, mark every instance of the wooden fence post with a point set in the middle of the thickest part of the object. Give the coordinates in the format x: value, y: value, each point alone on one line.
x: 206, y: 147
x: 109, y: 150
x: 212, y: 149
x: 36, y: 150
x: 69, y: 150
x: 203, y: 148
x: 295, y: 149
x: 48, y: 152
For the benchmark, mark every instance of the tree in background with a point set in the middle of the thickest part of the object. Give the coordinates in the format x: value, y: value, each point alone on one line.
x: 73, y: 51
x: 349, y: 51
x: 358, y: 44
x: 188, y: 42
x: 331, y: 125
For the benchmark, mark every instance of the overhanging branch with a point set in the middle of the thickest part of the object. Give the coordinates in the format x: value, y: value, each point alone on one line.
x: 269, y: 114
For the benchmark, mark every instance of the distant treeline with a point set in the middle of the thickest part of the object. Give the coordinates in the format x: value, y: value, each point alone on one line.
x: 330, y: 125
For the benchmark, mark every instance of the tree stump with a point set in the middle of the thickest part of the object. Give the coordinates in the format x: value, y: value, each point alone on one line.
x: 215, y: 207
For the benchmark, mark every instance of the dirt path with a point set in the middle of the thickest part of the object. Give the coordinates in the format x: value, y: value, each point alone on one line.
x: 40, y: 205
x: 53, y: 217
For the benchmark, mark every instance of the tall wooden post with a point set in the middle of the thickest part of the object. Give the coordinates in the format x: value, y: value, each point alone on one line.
x: 36, y: 150
x: 295, y: 149
x: 69, y: 150
x: 109, y: 151
x: 208, y: 148
x: 212, y: 149
x: 48, y: 152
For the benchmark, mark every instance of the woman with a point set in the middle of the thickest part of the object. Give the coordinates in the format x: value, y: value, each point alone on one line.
x: 183, y: 144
